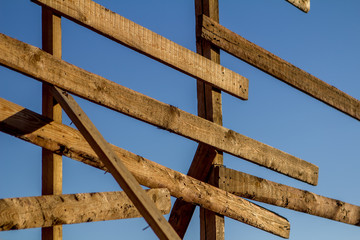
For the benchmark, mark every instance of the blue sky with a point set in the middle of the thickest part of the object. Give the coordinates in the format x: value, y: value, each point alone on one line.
x: 323, y: 42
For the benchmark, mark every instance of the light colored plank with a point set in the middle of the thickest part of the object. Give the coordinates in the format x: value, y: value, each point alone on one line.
x: 113, y: 163
x: 34, y: 62
x: 51, y: 210
x: 279, y: 68
x: 142, y: 40
x: 59, y: 138
x: 303, y: 5
x: 262, y: 190
x: 182, y: 211
x: 51, y: 163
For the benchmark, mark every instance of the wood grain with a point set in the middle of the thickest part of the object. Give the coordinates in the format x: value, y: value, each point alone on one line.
x: 64, y: 140
x: 142, y: 40
x: 303, y: 5
x: 40, y: 65
x: 52, y: 210
x: 279, y: 68
x: 262, y: 190
x: 113, y: 163
x: 212, y: 225
x: 209, y: 107
x: 51, y: 163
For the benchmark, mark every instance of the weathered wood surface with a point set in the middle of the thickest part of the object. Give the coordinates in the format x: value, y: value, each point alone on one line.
x: 212, y: 225
x: 140, y: 39
x: 182, y: 211
x: 64, y: 140
x: 303, y: 5
x: 52, y: 210
x: 262, y: 190
x: 209, y: 107
x: 51, y: 163
x: 115, y: 166
x: 36, y: 63
x: 249, y: 52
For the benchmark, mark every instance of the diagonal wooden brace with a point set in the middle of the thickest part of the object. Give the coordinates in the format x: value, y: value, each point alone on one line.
x: 112, y: 162
x: 64, y: 140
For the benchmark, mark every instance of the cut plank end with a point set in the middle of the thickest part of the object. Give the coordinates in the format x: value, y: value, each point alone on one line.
x: 303, y: 5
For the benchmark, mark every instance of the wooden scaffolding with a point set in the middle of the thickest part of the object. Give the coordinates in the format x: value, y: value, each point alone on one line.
x: 218, y: 190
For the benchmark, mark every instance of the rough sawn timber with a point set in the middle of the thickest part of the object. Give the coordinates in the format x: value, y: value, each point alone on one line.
x: 303, y: 5
x: 209, y: 102
x: 111, y: 25
x: 42, y: 66
x: 52, y: 210
x: 61, y: 139
x: 264, y: 60
x: 115, y: 166
x: 262, y: 190
x: 51, y: 163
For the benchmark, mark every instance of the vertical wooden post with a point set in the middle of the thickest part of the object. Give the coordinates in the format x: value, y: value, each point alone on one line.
x: 209, y: 107
x: 51, y: 163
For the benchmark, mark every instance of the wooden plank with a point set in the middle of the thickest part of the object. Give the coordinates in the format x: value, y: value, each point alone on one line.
x: 210, y: 108
x: 51, y: 210
x: 279, y: 68
x: 62, y: 139
x: 212, y: 225
x: 51, y: 163
x: 262, y: 190
x: 113, y: 163
x: 117, y: 28
x: 182, y: 211
x: 34, y: 62
x: 303, y: 5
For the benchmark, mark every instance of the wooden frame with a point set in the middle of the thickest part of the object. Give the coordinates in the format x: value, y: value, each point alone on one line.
x: 56, y: 210
x: 209, y: 184
x: 69, y: 142
x: 111, y: 25
x: 51, y: 163
x: 247, y: 51
x: 114, y: 165
x: 46, y: 68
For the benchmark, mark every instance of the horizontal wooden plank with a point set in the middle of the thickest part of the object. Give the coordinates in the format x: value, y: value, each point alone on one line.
x: 36, y: 63
x: 262, y: 190
x: 112, y: 162
x: 182, y: 212
x: 303, y: 5
x: 61, y: 139
x: 278, y: 68
x: 111, y: 25
x: 51, y: 210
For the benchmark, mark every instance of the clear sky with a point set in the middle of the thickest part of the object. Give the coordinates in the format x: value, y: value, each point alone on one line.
x: 324, y: 42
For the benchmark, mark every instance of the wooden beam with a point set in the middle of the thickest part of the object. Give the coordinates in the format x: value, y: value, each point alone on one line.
x: 278, y: 68
x: 36, y: 63
x: 51, y: 163
x: 182, y: 211
x: 212, y: 225
x: 111, y: 25
x: 210, y: 108
x: 113, y: 163
x: 303, y: 5
x: 52, y: 210
x: 34, y: 128
x: 262, y: 190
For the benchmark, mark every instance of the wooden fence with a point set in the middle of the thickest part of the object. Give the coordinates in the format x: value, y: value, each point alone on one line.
x: 218, y: 190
